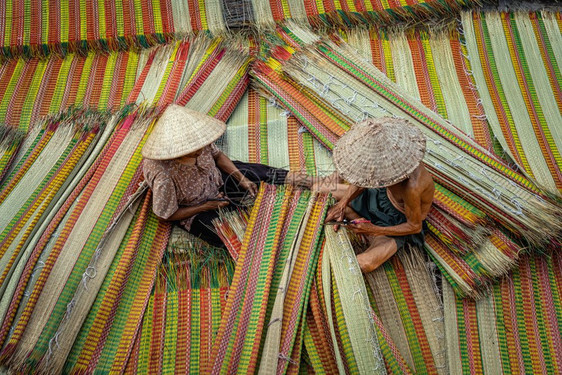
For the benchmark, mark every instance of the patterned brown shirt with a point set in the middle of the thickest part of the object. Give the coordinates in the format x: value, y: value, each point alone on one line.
x: 174, y: 184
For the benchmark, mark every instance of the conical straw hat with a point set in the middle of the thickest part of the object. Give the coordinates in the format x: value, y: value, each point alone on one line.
x: 181, y: 131
x: 379, y: 152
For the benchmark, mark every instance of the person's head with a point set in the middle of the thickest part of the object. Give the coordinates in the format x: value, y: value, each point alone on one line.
x: 181, y: 132
x: 379, y: 152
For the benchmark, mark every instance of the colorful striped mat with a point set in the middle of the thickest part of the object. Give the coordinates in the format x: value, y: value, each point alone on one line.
x: 271, y: 284
x: 335, y: 13
x: 105, y: 342
x: 33, y: 88
x: 516, y: 60
x: 184, y: 311
x: 429, y: 64
x: 43, y: 28
x: 516, y: 329
x: 261, y: 132
x: 10, y: 141
x: 210, y: 75
x: 350, y: 289
x: 405, y: 298
x: 60, y: 147
x: 65, y: 262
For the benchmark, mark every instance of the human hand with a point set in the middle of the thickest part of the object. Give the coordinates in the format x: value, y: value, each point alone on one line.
x: 215, y: 203
x: 363, y: 227
x: 249, y: 186
x: 336, y: 213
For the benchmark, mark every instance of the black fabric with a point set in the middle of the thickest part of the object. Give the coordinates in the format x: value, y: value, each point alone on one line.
x: 374, y: 205
x: 202, y: 225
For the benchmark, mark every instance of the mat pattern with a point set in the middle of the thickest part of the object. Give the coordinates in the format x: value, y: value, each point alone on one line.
x: 516, y: 329
x: 184, y: 310
x: 33, y: 88
x: 516, y: 61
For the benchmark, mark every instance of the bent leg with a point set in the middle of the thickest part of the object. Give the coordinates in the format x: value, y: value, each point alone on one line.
x: 202, y: 227
x: 380, y: 250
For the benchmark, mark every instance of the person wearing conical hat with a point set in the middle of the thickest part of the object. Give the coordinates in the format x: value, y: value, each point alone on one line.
x: 190, y: 177
x: 389, y: 191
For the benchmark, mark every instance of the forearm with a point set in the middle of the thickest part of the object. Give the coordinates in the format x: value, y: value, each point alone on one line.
x: 186, y: 212
x: 227, y: 166
x: 351, y: 193
x: 403, y: 229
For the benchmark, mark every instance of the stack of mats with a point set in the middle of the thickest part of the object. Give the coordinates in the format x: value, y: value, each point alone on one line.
x: 262, y: 325
x: 340, y: 319
x: 43, y: 27
x: 516, y: 59
x: 66, y: 262
x: 58, y: 149
x: 516, y: 329
x: 404, y: 295
x: 184, y: 310
x: 107, y: 335
x: 33, y: 88
x: 430, y: 65
x: 346, y: 89
x: 202, y: 73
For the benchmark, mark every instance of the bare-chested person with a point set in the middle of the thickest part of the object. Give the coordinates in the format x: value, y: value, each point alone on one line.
x: 389, y: 193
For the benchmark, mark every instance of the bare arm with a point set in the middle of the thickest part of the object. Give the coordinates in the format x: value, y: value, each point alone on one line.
x: 413, y: 225
x: 337, y: 211
x: 189, y: 211
x: 226, y: 165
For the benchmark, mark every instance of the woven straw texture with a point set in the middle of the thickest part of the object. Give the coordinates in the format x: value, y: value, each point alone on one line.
x: 181, y: 131
x: 518, y: 76
x: 516, y: 329
x: 83, y: 292
x: 379, y: 152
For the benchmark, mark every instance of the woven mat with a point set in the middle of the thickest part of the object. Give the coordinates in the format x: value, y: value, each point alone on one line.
x: 30, y: 89
x: 517, y: 72
x: 184, y: 310
x: 259, y: 131
x: 404, y: 296
x: 516, y: 329
x: 429, y: 64
x: 66, y: 266
x: 39, y: 179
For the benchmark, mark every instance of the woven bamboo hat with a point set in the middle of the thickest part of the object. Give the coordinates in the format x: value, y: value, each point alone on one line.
x: 181, y: 131
x: 379, y: 152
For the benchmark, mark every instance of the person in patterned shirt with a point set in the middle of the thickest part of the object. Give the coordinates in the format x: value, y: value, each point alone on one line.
x: 190, y: 178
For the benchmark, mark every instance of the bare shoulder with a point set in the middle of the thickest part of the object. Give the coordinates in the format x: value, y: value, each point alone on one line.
x: 421, y: 184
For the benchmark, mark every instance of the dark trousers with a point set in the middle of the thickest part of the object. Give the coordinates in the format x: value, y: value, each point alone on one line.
x: 202, y: 225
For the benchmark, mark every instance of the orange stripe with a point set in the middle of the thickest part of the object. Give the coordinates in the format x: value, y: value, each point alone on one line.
x: 479, y: 126
x: 472, y: 338
x: 535, y: 350
x: 253, y: 126
x: 420, y: 68
x: 45, y: 102
x: 535, y: 112
x: 182, y: 349
x: 414, y: 314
